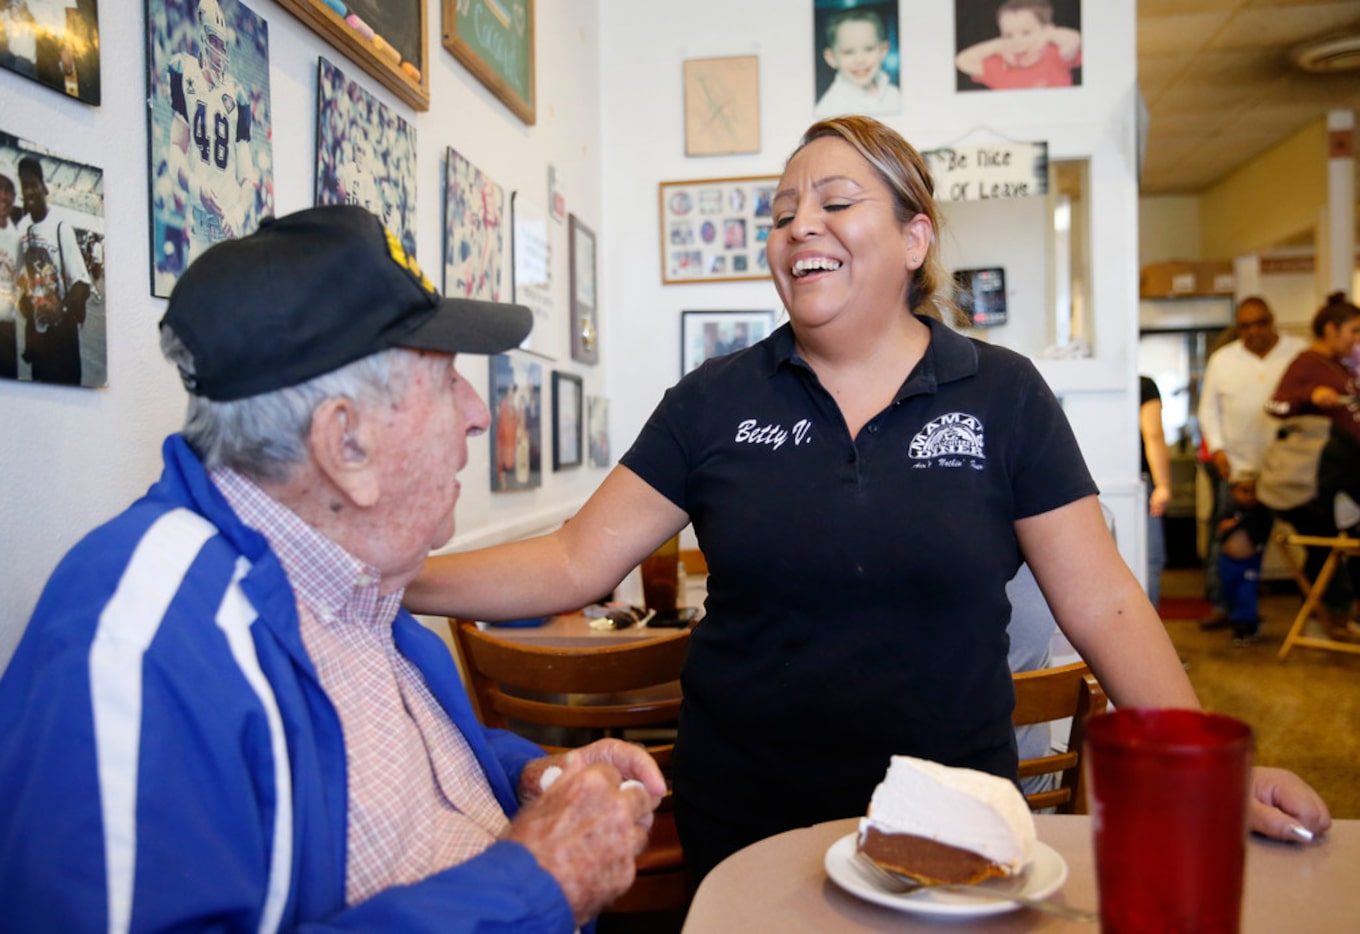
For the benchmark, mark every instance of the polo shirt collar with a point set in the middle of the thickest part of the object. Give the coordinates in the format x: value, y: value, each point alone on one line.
x: 949, y: 356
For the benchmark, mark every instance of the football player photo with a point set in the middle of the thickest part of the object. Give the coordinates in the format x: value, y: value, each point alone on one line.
x: 208, y: 90
x: 365, y: 154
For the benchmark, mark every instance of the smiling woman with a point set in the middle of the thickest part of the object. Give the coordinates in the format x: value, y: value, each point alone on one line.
x: 853, y: 459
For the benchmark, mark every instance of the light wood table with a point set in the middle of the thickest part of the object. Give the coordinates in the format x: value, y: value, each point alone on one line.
x: 780, y: 884
x: 572, y: 631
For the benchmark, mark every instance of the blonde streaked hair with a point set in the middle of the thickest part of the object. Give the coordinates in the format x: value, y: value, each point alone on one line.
x: 903, y: 170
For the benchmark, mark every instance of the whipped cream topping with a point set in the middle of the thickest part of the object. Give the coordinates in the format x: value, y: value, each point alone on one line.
x: 963, y: 808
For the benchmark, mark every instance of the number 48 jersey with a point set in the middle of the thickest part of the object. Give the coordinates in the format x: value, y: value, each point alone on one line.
x: 218, y: 117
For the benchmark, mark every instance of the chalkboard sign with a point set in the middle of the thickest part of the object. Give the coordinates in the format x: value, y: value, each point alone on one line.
x: 386, y: 38
x: 494, y: 39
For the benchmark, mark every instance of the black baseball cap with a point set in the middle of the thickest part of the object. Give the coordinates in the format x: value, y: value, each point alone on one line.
x: 310, y: 292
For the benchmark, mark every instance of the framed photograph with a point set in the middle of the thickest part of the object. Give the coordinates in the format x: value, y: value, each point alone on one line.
x: 855, y: 54
x: 597, y: 430
x: 365, y: 154
x: 209, y: 128
x: 55, y: 44
x: 494, y: 39
x: 585, y: 334
x: 531, y: 272
x: 981, y: 295
x: 516, y: 402
x: 56, y: 330
x: 566, y: 420
x: 722, y: 106
x: 475, y: 231
x: 386, y: 38
x: 708, y: 334
x: 714, y: 230
x: 1045, y: 51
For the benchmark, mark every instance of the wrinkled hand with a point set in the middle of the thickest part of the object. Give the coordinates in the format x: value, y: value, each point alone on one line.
x: 630, y: 760
x: 587, y: 831
x: 1281, y: 802
x: 1158, y: 501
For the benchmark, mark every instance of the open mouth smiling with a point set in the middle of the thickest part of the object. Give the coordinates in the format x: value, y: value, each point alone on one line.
x: 811, y: 264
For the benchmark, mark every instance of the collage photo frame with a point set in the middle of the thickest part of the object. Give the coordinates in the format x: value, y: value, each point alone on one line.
x: 715, y: 230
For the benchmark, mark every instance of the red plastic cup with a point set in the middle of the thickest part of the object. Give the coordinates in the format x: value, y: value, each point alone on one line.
x: 1168, y: 792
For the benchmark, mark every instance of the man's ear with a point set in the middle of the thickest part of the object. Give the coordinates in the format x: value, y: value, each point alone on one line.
x: 341, y: 447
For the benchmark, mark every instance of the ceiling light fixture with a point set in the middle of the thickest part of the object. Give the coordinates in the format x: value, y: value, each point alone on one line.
x: 1329, y: 54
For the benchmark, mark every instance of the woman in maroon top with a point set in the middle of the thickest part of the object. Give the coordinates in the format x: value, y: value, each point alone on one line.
x: 1318, y: 382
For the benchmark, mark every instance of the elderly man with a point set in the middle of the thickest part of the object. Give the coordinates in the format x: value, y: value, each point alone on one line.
x: 1238, y: 381
x: 219, y: 716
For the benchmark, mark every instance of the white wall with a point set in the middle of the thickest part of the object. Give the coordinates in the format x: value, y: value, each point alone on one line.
x: 643, y: 47
x: 72, y: 458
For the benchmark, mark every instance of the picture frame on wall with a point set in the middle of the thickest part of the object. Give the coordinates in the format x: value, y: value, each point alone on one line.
x: 585, y: 333
x: 365, y: 154
x: 386, y: 38
x: 494, y: 39
x: 856, y: 57
x: 714, y: 230
x: 210, y: 153
x: 475, y: 231
x: 531, y: 276
x: 708, y: 334
x: 566, y: 420
x: 55, y: 267
x: 54, y: 44
x: 515, y: 398
x: 597, y: 430
x: 722, y: 105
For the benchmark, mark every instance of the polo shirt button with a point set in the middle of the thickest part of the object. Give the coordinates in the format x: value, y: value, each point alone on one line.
x: 873, y: 429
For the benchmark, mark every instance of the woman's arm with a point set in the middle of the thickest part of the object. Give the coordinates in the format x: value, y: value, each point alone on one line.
x: 1101, y: 608
x: 1158, y: 457
x: 1106, y: 615
x: 623, y: 522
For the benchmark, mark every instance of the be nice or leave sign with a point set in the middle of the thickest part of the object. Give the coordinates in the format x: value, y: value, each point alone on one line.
x: 989, y: 172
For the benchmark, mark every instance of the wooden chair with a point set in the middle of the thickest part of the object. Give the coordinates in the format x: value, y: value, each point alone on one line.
x: 1055, y: 694
x: 602, y: 691
x: 1340, y: 546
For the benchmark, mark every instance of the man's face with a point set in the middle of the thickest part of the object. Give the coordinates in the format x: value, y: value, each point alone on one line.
x: 422, y: 445
x: 35, y: 194
x: 1256, y: 328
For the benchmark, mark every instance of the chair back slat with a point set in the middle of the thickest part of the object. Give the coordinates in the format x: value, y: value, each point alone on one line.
x: 1055, y: 694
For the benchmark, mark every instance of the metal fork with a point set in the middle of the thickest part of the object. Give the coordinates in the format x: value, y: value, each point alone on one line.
x: 899, y: 885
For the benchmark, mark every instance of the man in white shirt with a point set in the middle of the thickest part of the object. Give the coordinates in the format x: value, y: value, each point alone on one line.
x: 1238, y: 381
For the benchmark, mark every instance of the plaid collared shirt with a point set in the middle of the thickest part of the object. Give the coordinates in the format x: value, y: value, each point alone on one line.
x: 418, y: 800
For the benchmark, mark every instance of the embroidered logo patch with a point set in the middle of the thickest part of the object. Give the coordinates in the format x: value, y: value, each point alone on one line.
x: 948, y: 439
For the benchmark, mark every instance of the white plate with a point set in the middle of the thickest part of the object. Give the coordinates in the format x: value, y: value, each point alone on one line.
x: 1044, y: 875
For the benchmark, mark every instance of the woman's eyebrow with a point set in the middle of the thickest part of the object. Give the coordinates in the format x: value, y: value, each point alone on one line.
x: 818, y: 184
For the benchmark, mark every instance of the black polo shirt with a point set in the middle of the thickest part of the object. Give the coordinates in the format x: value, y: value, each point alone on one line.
x: 856, y: 591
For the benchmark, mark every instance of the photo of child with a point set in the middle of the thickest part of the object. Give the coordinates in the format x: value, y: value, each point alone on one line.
x: 856, y: 58
x: 1038, y: 46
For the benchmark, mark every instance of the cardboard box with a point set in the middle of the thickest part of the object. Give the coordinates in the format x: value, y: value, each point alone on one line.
x: 1179, y: 278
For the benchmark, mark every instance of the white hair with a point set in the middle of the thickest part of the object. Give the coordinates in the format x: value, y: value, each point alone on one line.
x: 265, y: 436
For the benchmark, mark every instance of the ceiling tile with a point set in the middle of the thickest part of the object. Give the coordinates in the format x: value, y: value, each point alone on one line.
x: 1183, y: 32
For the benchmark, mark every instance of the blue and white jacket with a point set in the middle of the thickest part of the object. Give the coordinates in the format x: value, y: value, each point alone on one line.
x: 168, y: 758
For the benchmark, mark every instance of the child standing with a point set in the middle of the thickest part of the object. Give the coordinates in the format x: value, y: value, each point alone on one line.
x: 856, y: 45
x: 1242, y: 537
x: 1031, y: 51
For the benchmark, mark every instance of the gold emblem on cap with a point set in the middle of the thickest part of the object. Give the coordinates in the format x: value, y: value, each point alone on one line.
x: 405, y: 262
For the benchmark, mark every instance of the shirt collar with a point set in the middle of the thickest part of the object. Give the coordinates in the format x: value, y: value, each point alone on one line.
x: 949, y: 356
x: 325, y: 577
